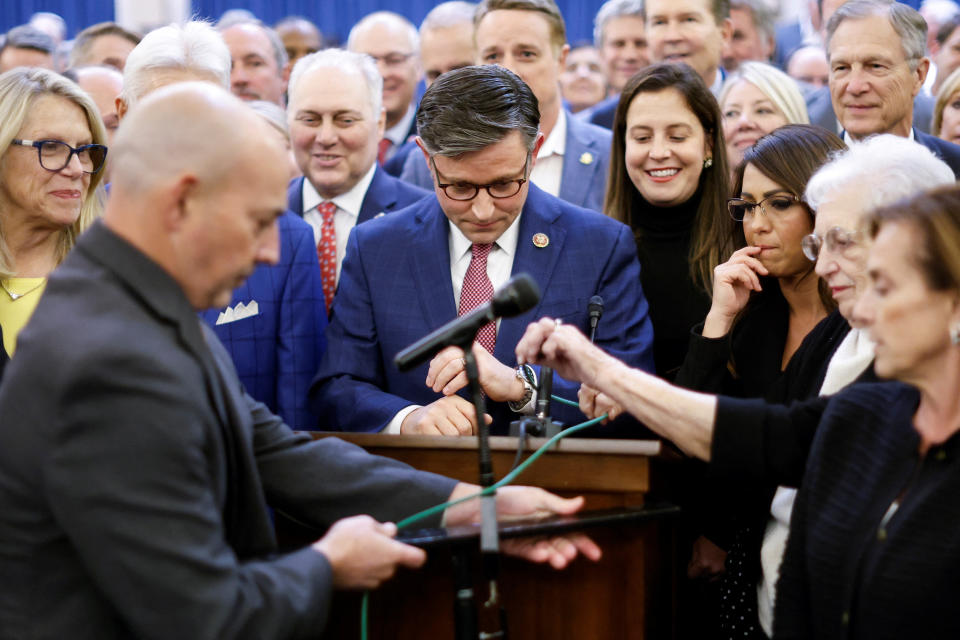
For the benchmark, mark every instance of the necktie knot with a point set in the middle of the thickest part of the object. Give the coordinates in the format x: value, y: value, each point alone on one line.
x: 327, y: 210
x: 479, y: 252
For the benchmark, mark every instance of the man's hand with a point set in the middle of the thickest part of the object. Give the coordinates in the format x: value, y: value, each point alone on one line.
x: 363, y: 553
x: 450, y: 416
x: 448, y: 374
x: 706, y: 560
x: 564, y: 348
x: 528, y: 502
x: 594, y: 404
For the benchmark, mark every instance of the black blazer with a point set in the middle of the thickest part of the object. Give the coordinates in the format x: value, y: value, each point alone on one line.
x: 4, y: 358
x: 136, y: 475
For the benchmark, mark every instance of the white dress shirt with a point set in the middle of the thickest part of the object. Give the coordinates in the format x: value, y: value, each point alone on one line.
x: 499, y: 267
x: 548, y: 171
x: 397, y: 134
x: 348, y: 210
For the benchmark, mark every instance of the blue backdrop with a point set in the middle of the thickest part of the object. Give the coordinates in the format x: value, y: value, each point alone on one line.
x: 332, y: 16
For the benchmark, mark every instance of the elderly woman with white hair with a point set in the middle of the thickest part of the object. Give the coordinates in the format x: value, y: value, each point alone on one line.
x: 52, y: 148
x: 750, y: 440
x: 754, y: 101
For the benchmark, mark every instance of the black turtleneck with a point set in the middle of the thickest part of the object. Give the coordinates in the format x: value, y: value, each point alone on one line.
x: 676, y: 303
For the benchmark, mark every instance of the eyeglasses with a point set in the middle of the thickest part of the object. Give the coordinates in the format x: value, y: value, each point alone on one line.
x: 463, y: 191
x: 837, y: 240
x: 773, y: 207
x: 392, y: 59
x: 55, y: 155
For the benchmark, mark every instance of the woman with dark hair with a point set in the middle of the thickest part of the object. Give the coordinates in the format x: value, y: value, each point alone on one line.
x: 766, y: 297
x: 668, y: 181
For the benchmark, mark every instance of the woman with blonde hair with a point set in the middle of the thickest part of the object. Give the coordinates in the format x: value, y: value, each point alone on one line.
x: 946, y: 111
x: 754, y: 101
x: 52, y: 148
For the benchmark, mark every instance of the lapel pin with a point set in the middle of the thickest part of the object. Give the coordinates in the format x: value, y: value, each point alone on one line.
x: 380, y: 215
x: 540, y: 240
x: 586, y: 158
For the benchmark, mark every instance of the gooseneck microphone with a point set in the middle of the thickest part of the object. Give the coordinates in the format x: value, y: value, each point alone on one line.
x: 519, y: 294
x: 594, y: 311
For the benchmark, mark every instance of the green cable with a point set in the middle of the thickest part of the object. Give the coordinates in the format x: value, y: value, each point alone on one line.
x: 507, y: 479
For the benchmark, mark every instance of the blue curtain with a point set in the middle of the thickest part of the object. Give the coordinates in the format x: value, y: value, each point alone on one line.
x: 77, y: 13
x: 335, y: 17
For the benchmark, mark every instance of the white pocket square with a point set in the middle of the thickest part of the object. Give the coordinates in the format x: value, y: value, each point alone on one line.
x: 239, y: 312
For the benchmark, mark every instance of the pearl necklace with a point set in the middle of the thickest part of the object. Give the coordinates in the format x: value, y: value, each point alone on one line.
x: 16, y: 296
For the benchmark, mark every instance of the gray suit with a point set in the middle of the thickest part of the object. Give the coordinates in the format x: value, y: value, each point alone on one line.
x: 135, y: 473
x: 584, y: 176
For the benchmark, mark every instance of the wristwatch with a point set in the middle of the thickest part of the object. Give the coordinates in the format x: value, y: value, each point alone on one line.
x: 528, y: 377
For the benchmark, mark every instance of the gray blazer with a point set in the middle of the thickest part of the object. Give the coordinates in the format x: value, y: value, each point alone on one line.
x: 135, y: 473
x: 584, y: 176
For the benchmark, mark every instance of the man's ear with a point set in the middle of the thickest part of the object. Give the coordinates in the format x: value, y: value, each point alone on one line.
x: 121, y: 105
x: 923, y: 68
x: 177, y: 209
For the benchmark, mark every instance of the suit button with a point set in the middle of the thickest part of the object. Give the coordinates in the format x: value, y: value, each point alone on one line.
x: 845, y: 619
x: 881, y: 534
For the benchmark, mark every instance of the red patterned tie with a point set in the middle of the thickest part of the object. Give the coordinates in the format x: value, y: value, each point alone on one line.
x: 478, y: 290
x: 382, y: 149
x: 327, y: 252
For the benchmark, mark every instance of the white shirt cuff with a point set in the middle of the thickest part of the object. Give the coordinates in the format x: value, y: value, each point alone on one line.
x: 394, y: 425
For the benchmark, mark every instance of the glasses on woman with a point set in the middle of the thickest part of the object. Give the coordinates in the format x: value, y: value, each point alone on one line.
x: 837, y: 240
x: 774, y: 207
x: 54, y: 155
x: 463, y: 191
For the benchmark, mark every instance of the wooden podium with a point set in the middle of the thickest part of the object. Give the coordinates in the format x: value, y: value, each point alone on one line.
x: 629, y: 594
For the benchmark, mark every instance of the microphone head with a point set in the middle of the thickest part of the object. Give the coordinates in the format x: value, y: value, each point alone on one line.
x: 519, y: 294
x: 595, y: 306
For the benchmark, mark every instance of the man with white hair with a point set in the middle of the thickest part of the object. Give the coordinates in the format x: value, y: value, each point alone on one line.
x: 876, y: 50
x: 393, y: 42
x: 336, y: 121
x: 446, y: 43
x: 259, y: 61
x: 274, y: 323
x: 136, y: 475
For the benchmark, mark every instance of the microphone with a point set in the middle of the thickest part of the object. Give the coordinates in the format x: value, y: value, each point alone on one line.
x: 518, y: 295
x: 594, y: 310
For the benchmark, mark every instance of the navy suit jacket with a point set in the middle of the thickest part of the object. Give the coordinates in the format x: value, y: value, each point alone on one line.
x: 583, y: 179
x: 603, y: 112
x: 946, y: 151
x: 277, y: 351
x: 385, y: 194
x: 395, y: 288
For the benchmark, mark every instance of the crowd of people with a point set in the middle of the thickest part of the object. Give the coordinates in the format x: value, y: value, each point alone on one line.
x: 768, y: 211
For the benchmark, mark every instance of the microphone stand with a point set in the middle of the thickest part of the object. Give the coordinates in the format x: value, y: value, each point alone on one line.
x: 489, y: 534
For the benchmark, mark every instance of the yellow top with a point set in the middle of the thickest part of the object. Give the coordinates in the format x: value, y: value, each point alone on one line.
x: 18, y: 299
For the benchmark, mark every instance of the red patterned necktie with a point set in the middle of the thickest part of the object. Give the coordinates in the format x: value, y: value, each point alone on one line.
x: 382, y: 149
x: 327, y: 252
x: 478, y: 290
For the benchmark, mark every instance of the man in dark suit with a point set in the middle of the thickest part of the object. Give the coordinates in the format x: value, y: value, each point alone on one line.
x: 410, y: 272
x: 273, y: 325
x: 336, y: 121
x: 135, y: 473
x: 877, y: 71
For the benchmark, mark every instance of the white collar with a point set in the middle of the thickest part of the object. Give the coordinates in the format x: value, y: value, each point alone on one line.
x: 397, y: 134
x: 556, y: 142
x: 847, y: 139
x: 460, y: 245
x: 350, y: 201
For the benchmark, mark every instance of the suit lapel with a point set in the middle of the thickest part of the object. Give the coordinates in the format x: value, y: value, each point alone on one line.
x: 539, y: 216
x: 380, y: 197
x: 429, y: 256
x: 295, y: 196
x: 576, y: 176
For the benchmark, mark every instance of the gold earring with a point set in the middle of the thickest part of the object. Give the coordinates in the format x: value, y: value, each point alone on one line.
x: 707, y: 163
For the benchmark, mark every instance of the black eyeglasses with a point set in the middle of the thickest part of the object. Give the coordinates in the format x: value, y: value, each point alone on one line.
x: 837, y: 240
x: 463, y: 191
x: 773, y: 207
x: 54, y: 155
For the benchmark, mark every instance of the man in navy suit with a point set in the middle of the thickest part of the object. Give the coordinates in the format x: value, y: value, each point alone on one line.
x: 529, y: 38
x: 876, y: 72
x: 274, y: 325
x: 336, y: 122
x: 408, y: 273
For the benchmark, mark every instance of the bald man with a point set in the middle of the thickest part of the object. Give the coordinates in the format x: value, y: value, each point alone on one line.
x: 135, y: 473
